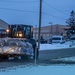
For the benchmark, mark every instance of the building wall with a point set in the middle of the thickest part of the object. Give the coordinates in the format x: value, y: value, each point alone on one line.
x: 3, y: 27
x: 3, y: 24
x: 48, y: 31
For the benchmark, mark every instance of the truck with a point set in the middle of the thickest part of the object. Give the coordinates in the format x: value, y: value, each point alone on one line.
x: 19, y: 42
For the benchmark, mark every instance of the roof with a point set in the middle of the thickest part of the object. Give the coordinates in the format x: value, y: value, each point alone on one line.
x: 3, y: 24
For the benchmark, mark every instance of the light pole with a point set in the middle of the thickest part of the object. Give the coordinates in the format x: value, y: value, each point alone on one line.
x: 51, y: 29
x: 57, y: 30
x: 36, y: 32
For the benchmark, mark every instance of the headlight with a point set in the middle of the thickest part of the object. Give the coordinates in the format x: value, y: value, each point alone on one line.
x: 20, y: 35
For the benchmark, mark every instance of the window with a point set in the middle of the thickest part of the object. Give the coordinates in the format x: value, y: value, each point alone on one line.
x: 56, y: 38
x: 28, y: 30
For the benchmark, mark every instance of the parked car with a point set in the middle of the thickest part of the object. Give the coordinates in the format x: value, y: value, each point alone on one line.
x: 58, y: 39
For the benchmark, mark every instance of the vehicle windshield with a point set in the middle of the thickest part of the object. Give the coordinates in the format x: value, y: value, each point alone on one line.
x: 56, y: 38
x: 21, y: 31
x: 72, y: 38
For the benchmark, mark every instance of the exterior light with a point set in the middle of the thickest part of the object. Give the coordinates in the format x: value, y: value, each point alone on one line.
x: 17, y: 34
x: 7, y: 30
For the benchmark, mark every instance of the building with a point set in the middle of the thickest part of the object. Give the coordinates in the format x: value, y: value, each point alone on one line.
x: 3, y: 27
x: 48, y: 31
x: 3, y: 24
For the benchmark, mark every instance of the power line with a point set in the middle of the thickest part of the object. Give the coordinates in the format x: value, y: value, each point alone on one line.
x: 18, y: 1
x: 18, y: 10
x: 53, y: 15
x: 30, y: 12
x: 54, y: 8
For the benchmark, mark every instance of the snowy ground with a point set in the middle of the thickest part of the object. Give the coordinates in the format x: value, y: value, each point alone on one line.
x: 57, y: 46
x: 42, y: 70
x: 57, y: 69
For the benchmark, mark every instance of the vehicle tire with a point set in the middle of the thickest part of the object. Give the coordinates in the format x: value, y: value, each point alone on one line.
x: 5, y: 57
x: 24, y: 57
x: 0, y: 57
x: 15, y: 57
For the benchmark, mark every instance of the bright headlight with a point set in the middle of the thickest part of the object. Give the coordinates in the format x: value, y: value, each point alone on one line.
x: 20, y: 35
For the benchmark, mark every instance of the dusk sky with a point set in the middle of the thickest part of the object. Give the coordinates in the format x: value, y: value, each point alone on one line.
x: 27, y: 11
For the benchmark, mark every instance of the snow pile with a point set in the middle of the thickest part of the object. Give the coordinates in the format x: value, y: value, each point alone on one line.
x: 47, y: 46
x: 66, y: 59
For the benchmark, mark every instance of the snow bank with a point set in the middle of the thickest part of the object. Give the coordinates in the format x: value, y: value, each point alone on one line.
x: 66, y: 59
x: 56, y: 46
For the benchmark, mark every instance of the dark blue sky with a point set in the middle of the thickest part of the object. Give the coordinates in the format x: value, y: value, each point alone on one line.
x: 27, y: 11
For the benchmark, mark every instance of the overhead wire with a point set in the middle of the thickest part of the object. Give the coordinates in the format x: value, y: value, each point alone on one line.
x: 18, y: 1
x: 18, y: 10
x: 31, y: 11
x: 53, y: 15
x: 54, y: 8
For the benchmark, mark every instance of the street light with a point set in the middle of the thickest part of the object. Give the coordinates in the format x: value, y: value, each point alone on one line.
x: 36, y: 32
x: 51, y: 28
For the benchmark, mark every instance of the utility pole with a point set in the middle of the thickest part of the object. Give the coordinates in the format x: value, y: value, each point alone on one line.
x: 40, y: 16
x: 39, y: 31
